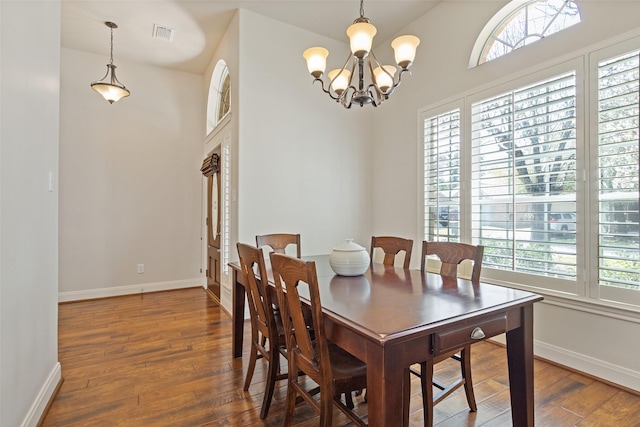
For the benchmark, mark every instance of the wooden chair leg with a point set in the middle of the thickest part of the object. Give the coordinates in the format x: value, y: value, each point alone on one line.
x: 291, y: 399
x: 326, y: 409
x: 348, y: 399
x: 252, y: 362
x: 272, y: 376
x: 465, y: 362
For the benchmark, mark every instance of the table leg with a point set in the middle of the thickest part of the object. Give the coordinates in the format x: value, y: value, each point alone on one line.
x: 520, y: 357
x: 237, y: 312
x: 385, y: 383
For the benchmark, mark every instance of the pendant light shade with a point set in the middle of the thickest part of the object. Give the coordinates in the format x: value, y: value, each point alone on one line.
x: 109, y: 86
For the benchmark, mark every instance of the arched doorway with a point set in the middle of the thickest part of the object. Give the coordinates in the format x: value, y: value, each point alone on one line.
x: 218, y: 106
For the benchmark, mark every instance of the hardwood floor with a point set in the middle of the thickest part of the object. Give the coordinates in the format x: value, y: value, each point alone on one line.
x: 164, y: 359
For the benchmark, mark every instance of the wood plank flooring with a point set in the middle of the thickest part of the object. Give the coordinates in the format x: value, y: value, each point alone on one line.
x: 164, y: 359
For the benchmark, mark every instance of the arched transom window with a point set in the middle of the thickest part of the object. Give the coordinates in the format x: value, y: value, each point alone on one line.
x: 218, y: 102
x: 520, y: 23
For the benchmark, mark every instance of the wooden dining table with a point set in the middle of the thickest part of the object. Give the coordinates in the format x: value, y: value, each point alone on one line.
x: 392, y: 318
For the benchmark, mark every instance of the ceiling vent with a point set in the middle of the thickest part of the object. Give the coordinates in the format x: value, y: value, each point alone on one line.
x: 163, y: 33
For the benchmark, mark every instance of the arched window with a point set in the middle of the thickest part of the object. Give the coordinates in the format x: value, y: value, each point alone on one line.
x: 520, y: 23
x: 218, y: 103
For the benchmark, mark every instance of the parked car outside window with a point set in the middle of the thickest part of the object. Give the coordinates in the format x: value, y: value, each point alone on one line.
x: 562, y: 221
x: 447, y: 214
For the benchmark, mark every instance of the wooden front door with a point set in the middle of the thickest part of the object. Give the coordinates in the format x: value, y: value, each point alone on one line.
x: 211, y: 169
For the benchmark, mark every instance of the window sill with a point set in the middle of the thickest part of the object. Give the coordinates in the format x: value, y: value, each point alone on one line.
x: 611, y: 309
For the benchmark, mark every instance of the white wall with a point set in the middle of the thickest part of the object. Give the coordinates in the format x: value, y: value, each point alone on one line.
x: 304, y: 161
x: 572, y: 337
x: 130, y: 183
x: 29, y: 86
x: 300, y: 162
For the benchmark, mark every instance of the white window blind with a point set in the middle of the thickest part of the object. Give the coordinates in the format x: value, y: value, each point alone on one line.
x: 442, y: 177
x: 618, y: 165
x: 523, y: 184
x: 226, y: 204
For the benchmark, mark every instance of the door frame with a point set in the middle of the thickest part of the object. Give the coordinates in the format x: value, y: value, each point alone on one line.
x: 218, y: 139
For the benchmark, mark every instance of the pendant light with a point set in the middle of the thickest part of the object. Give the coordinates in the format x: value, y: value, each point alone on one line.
x: 109, y: 86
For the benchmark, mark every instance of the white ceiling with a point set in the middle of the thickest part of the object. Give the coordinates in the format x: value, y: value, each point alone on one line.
x: 200, y: 24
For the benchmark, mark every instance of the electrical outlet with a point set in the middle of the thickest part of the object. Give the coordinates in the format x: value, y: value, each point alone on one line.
x: 140, y: 268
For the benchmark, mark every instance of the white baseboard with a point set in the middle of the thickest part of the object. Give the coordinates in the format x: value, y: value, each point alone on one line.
x: 129, y: 290
x: 44, y: 396
x: 580, y: 362
x: 225, y: 298
x: 592, y: 366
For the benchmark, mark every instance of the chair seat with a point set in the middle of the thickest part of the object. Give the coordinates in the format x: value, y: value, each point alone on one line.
x: 348, y: 370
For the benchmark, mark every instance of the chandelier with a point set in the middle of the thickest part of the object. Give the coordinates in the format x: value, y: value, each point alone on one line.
x: 109, y: 86
x: 373, y: 85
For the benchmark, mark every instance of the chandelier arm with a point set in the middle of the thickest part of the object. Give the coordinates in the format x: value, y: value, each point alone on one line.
x: 396, y: 84
x: 384, y: 70
x: 347, y: 101
x: 351, y: 90
x: 351, y: 72
x: 372, y: 54
x: 105, y: 76
x: 377, y: 96
x: 328, y: 92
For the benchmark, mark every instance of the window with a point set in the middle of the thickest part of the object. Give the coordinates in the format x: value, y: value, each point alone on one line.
x: 218, y: 101
x: 442, y: 176
x: 618, y: 183
x: 223, y: 96
x: 521, y: 23
x: 544, y: 171
x: 524, y: 178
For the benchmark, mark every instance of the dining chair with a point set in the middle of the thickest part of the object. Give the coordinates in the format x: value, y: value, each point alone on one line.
x: 451, y: 254
x: 279, y: 242
x: 392, y: 246
x: 335, y: 370
x: 267, y: 333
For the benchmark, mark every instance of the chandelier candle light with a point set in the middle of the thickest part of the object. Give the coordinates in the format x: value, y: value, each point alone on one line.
x: 109, y: 86
x: 341, y: 86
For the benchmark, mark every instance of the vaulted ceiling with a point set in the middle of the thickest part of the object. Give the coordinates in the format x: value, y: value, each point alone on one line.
x: 199, y: 25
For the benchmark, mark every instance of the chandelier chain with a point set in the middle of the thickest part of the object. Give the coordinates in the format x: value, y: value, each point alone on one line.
x: 111, y: 60
x: 361, y: 8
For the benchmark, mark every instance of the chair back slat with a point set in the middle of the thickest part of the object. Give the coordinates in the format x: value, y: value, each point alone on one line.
x: 451, y: 254
x: 392, y: 246
x: 259, y: 299
x: 279, y: 242
x: 290, y: 274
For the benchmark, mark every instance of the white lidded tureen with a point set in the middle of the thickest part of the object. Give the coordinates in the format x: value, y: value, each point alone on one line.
x: 349, y: 259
